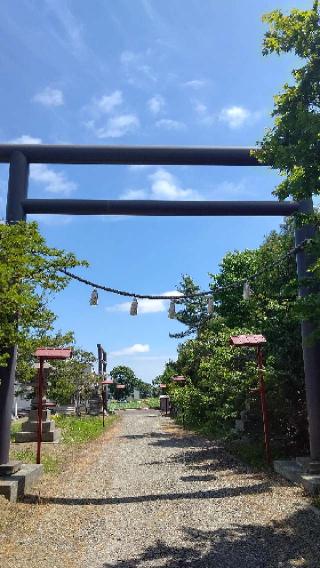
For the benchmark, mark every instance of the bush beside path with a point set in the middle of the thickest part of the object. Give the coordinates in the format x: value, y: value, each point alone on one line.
x: 148, y: 494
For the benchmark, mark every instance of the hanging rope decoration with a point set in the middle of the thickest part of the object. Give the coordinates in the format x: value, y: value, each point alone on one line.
x: 94, y: 298
x: 134, y: 307
x: 247, y: 291
x: 172, y: 310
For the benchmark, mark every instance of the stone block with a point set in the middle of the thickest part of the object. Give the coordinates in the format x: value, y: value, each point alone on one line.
x: 309, y: 465
x: 14, y: 487
x: 33, y: 415
x: 293, y: 470
x: 53, y: 436
x: 10, y: 467
x: 47, y: 426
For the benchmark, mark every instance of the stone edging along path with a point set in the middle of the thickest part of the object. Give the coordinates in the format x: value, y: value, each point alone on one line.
x: 150, y: 494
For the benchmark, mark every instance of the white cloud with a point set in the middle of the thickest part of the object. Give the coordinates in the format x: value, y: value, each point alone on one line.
x: 156, y: 104
x: 54, y: 182
x: 137, y: 167
x: 108, y: 103
x: 165, y: 186
x: 233, y: 189
x: 132, y: 350
x: 26, y: 139
x: 170, y: 124
x: 235, y: 116
x: 200, y: 108
x: 117, y: 126
x: 194, y: 84
x: 72, y: 29
x: 49, y: 97
x: 145, y: 306
x: 137, y: 71
x: 134, y: 194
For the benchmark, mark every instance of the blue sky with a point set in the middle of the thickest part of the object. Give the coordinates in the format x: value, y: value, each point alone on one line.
x: 176, y: 72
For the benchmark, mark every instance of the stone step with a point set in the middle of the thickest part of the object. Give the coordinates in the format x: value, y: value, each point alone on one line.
x: 47, y: 426
x: 293, y: 471
x: 13, y: 487
x: 53, y: 436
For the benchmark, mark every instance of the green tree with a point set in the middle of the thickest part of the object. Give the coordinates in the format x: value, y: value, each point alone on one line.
x: 292, y: 144
x: 29, y: 276
x: 145, y: 389
x: 123, y: 375
x: 193, y: 310
x: 219, y: 378
x: 73, y: 378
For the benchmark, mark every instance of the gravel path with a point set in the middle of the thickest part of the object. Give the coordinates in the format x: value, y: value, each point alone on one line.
x: 156, y: 496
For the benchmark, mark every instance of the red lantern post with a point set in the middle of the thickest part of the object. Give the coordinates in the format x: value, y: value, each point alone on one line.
x: 257, y: 341
x: 45, y: 354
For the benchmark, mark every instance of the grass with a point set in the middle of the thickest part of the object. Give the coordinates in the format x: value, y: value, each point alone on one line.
x: 51, y: 464
x: 16, y: 427
x: 134, y: 404
x: 250, y: 452
x: 75, y: 430
x: 82, y: 429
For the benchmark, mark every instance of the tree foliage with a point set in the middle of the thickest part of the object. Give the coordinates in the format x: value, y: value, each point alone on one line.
x: 71, y: 378
x: 29, y: 275
x: 292, y: 144
x: 123, y: 375
x: 220, y: 378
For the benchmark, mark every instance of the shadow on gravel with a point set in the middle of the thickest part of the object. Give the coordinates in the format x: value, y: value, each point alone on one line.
x: 292, y: 542
x: 198, y: 477
x: 224, y: 493
x: 143, y: 436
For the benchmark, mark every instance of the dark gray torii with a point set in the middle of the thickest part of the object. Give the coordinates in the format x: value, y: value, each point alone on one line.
x: 19, y: 156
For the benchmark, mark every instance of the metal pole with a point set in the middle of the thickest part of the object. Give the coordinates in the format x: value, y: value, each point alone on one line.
x: 17, y: 190
x: 311, y: 348
x: 264, y: 407
x: 104, y: 371
x: 40, y: 408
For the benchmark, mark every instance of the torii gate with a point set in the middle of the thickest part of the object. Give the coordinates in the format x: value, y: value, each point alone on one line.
x: 19, y: 156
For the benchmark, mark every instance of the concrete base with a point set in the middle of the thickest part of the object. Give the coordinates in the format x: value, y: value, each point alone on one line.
x: 14, y: 487
x: 300, y: 471
x: 53, y: 436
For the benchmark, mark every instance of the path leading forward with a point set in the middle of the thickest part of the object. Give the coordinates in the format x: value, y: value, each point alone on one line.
x: 155, y: 496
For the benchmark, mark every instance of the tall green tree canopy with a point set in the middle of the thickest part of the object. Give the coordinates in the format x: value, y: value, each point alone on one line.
x: 292, y: 144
